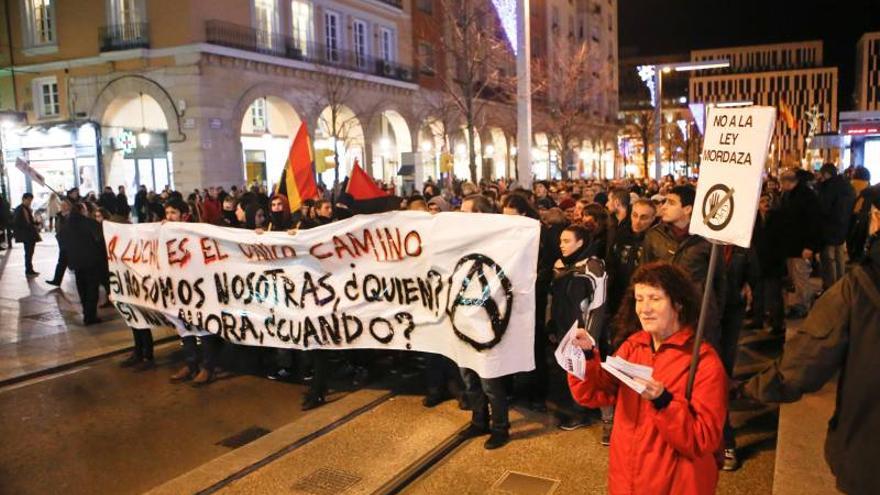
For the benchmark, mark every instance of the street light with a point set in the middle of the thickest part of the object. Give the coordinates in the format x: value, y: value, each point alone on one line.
x: 654, y: 79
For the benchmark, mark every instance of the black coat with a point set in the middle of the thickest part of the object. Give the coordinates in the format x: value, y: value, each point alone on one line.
x: 108, y: 202
x: 800, y: 221
x: 122, y: 207
x: 4, y: 213
x: 24, y: 228
x: 836, y: 198
x: 839, y: 338
x: 140, y: 206
x: 83, y: 242
x: 570, y: 288
x: 623, y: 259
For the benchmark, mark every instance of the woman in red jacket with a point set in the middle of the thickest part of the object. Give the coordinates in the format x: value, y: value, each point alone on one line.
x: 661, y: 443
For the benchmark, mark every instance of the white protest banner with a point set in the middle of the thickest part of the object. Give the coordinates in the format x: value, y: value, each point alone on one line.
x: 731, y: 166
x: 26, y: 169
x: 457, y: 284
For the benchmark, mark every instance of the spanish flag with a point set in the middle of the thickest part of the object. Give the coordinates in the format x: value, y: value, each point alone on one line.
x: 298, y: 179
x: 786, y: 115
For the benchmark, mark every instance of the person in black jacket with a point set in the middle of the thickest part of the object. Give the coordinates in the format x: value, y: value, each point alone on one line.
x: 141, y: 212
x: 766, y: 268
x: 83, y: 241
x: 537, y: 381
x: 25, y: 231
x: 836, y: 197
x: 839, y: 340
x: 122, y: 207
x: 4, y: 223
x: 571, y: 288
x: 801, y: 235
x: 108, y: 200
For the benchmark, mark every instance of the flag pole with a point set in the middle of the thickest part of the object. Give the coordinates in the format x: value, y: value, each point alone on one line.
x: 701, y: 325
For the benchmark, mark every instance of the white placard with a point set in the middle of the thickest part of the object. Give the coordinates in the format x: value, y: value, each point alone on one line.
x: 457, y: 284
x: 731, y: 167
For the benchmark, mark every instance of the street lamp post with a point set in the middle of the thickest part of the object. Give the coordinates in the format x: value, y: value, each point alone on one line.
x: 523, y: 95
x: 657, y: 72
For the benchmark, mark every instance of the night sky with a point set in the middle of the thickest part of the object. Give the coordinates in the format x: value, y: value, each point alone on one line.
x: 658, y: 27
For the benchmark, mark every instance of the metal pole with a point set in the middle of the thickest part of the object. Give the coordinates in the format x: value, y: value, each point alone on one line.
x: 701, y: 326
x: 658, y: 120
x: 523, y: 96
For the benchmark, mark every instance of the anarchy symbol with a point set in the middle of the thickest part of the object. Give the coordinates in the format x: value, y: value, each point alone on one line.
x: 476, y: 273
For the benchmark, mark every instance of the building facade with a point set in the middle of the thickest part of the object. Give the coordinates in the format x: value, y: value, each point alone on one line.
x: 679, y: 132
x: 192, y: 93
x: 867, y: 93
x: 789, y: 76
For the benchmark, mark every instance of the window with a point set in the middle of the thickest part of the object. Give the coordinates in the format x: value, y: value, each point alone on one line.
x: 426, y: 6
x: 125, y: 12
x: 386, y: 44
x: 265, y: 22
x: 45, y: 91
x: 40, y: 19
x: 259, y: 116
x: 301, y: 25
x: 359, y: 41
x: 426, y: 58
x: 331, y: 36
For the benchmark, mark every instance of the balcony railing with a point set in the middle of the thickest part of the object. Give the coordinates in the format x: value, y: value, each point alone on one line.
x: 254, y: 40
x: 124, y: 36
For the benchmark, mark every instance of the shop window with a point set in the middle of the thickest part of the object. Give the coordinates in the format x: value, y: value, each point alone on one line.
x: 45, y: 91
x: 40, y: 23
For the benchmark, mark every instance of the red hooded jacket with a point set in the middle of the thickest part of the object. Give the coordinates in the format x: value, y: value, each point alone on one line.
x: 667, y: 449
x: 212, y: 210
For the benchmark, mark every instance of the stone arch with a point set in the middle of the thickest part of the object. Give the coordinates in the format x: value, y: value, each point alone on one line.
x: 387, y: 147
x: 265, y: 140
x: 134, y: 85
x: 351, y: 142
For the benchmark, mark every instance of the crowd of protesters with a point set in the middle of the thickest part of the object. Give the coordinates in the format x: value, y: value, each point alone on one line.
x: 634, y: 232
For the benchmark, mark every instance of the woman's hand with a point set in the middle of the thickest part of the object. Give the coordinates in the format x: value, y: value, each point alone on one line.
x: 653, y: 388
x: 583, y: 340
x: 292, y: 231
x: 259, y: 231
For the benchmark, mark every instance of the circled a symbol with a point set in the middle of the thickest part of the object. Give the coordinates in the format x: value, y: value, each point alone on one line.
x: 498, y: 310
x: 718, y: 207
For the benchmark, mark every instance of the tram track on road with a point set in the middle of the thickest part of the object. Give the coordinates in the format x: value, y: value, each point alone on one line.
x: 297, y: 444
x: 72, y: 366
x: 423, y: 465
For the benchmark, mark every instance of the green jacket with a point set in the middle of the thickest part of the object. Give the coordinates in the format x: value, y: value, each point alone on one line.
x: 841, y: 334
x: 692, y: 255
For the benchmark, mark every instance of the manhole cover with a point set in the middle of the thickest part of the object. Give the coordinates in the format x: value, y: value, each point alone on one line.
x: 243, y: 437
x: 50, y: 316
x: 327, y: 481
x: 515, y: 483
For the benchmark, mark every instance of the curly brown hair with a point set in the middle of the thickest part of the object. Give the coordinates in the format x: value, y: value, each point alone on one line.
x: 674, y: 282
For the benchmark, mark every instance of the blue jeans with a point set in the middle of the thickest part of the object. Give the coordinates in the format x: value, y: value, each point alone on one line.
x: 485, y: 395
